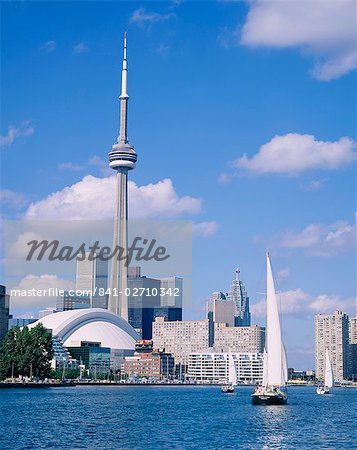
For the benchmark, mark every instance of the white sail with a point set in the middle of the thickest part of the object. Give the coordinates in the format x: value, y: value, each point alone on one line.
x: 232, y: 374
x: 285, y: 365
x: 328, y: 371
x: 265, y: 368
x: 273, y: 332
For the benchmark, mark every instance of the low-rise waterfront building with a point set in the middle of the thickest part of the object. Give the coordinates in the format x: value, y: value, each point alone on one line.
x: 211, y: 367
x: 92, y: 355
x: 152, y: 365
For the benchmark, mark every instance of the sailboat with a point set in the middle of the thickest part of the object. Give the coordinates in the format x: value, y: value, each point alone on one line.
x: 272, y: 391
x: 328, y: 380
x: 228, y: 388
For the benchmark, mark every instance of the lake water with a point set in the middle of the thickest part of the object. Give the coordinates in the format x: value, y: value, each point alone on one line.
x: 172, y: 417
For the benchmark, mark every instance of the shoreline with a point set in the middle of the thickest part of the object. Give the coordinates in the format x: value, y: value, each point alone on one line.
x: 17, y: 385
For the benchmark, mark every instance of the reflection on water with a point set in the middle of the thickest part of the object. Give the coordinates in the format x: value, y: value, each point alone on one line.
x: 273, y: 431
x: 174, y: 418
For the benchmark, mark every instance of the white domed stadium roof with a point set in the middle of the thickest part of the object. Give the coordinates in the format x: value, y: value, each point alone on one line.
x: 93, y: 324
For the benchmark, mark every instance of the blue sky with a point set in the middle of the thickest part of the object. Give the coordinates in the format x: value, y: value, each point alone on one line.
x: 208, y: 83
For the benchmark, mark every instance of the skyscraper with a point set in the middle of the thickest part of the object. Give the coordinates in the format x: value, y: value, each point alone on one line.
x: 239, y: 296
x: 220, y: 310
x: 122, y: 158
x: 172, y: 288
x: 92, y: 275
x: 331, y: 334
x: 69, y: 301
x: 143, y: 299
x: 353, y: 348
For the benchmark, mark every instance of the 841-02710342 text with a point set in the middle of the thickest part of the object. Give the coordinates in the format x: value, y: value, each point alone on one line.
x: 138, y: 292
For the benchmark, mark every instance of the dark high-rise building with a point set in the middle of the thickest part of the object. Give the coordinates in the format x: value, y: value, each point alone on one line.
x: 170, y: 313
x: 4, y: 312
x: 150, y: 298
x: 143, y: 299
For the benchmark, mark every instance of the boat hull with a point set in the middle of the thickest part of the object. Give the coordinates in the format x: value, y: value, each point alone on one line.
x: 322, y: 391
x: 269, y: 398
x: 228, y: 389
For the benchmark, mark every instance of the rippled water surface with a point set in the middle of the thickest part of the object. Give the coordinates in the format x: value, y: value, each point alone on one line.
x: 174, y: 417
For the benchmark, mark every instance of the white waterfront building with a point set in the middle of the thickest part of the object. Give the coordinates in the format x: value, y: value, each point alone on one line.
x: 210, y: 367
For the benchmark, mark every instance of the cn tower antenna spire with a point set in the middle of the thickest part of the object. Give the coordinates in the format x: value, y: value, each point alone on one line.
x: 124, y: 97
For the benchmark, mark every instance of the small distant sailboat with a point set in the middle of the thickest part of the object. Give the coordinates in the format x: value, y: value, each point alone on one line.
x: 228, y: 388
x: 272, y: 391
x: 328, y: 380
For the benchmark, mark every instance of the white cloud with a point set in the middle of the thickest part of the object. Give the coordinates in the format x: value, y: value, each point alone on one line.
x: 70, y: 166
x: 20, y: 249
x: 163, y: 50
x: 295, y: 153
x: 49, y: 46
x: 23, y: 130
x: 142, y: 17
x: 204, y: 229
x: 325, y: 304
x: 319, y: 239
x: 298, y: 302
x: 325, y: 29
x: 313, y: 185
x: 224, y: 177
x: 14, y: 200
x: 81, y: 47
x: 97, y: 161
x: 41, y: 283
x: 103, y: 165
x: 93, y: 198
x: 283, y: 274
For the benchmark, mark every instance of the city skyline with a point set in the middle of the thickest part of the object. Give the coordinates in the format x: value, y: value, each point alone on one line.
x: 266, y: 101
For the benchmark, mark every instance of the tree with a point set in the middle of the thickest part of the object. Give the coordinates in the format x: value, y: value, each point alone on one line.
x: 26, y: 352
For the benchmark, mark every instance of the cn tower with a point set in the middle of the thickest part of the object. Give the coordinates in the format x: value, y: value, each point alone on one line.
x: 122, y: 158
